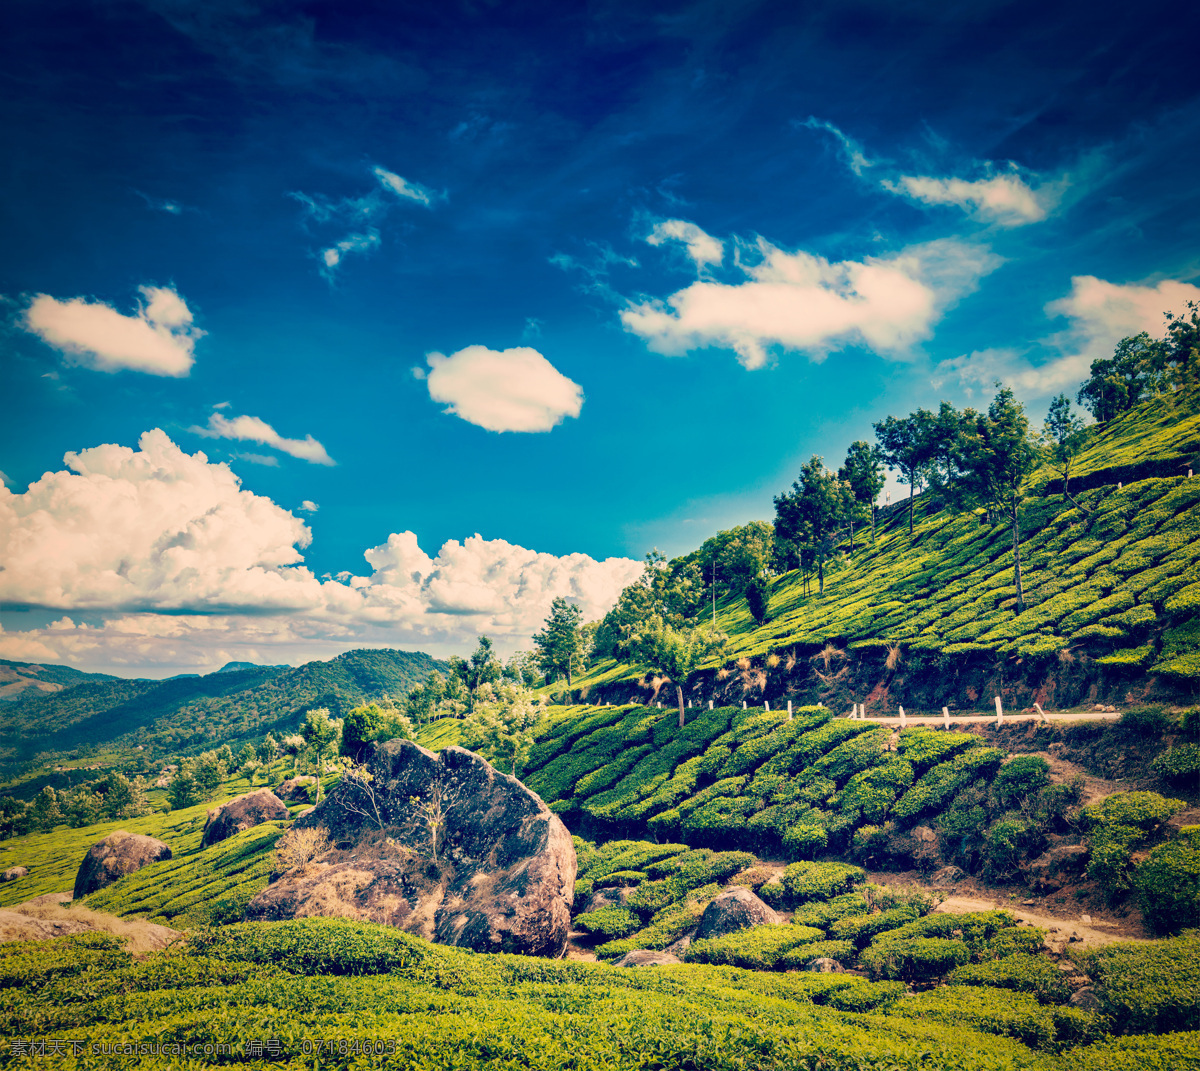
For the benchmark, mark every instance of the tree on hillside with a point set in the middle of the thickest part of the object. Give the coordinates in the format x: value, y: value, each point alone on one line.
x: 558, y: 644
x: 941, y: 437
x: 673, y: 591
x: 320, y: 733
x: 483, y: 667
x: 676, y: 653
x: 758, y: 598
x: 1182, y: 344
x: 522, y: 667
x: 903, y: 448
x: 267, y: 751
x: 812, y: 513
x: 862, y: 472
x: 999, y: 453
x: 1119, y: 382
x: 1063, y: 436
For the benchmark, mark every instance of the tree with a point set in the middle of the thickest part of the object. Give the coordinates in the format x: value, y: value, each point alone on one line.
x: 293, y: 744
x: 903, y: 448
x: 1118, y: 383
x: 246, y: 757
x: 183, y: 791
x: 758, y: 597
x: 862, y: 472
x: 359, y: 729
x: 940, y: 437
x: 1063, y: 436
x: 558, y: 643
x: 320, y: 733
x: 1182, y: 344
x: 267, y: 751
x: 207, y: 773
x: 813, y: 513
x: 483, y: 666
x: 45, y: 813
x: 501, y: 728
x: 999, y: 453
x: 676, y: 653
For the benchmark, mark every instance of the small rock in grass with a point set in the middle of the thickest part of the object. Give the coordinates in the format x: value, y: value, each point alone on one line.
x: 14, y: 872
x: 735, y: 909
x: 646, y: 957
x: 825, y: 965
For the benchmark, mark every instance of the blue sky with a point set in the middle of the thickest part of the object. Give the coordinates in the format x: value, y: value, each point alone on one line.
x: 579, y: 279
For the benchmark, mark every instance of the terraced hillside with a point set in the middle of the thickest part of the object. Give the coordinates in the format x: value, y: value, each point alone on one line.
x: 1111, y: 592
x: 816, y: 786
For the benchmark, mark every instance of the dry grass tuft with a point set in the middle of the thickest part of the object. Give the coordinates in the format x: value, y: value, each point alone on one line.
x: 299, y: 847
x: 893, y: 656
x: 773, y: 660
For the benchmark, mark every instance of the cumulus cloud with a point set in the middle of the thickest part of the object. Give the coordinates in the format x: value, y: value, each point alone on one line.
x: 1100, y: 314
x: 188, y: 570
x: 503, y: 390
x: 149, y: 528
x: 1005, y: 199
x: 799, y: 301
x: 256, y: 430
x: 703, y: 248
x: 159, y: 338
x: 309, y: 506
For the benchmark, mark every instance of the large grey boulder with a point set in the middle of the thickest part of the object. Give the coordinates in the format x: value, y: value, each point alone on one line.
x: 14, y: 872
x: 442, y: 846
x: 735, y: 909
x: 241, y: 814
x: 118, y: 854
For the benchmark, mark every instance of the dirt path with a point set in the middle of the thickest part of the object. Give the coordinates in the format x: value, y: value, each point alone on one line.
x: 1091, y: 934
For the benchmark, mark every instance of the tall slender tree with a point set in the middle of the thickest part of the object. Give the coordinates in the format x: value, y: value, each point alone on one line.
x: 903, y: 448
x: 998, y: 455
x: 812, y: 513
x: 1064, y: 435
x: 558, y: 643
x: 862, y: 472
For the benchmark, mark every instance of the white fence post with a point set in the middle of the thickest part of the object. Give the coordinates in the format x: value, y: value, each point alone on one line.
x: 710, y: 704
x: 789, y: 710
x: 903, y: 719
x: 766, y: 705
x: 1041, y: 712
x: 999, y: 711
x: 743, y: 704
x: 946, y: 716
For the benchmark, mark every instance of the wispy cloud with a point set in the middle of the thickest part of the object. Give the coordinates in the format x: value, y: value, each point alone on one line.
x: 159, y: 338
x: 256, y: 430
x: 364, y: 213
x: 701, y: 247
x: 158, y: 204
x: 595, y: 268
x: 1001, y: 194
x: 308, y: 506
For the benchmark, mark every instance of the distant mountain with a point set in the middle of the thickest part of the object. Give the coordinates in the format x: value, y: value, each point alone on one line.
x: 20, y: 678
x: 190, y: 713
x: 233, y: 667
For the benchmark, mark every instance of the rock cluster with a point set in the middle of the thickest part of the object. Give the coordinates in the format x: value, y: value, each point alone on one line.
x: 443, y: 846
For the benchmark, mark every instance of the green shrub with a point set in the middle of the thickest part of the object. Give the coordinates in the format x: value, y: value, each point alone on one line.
x: 798, y: 958
x: 1167, y: 884
x: 805, y: 881
x: 758, y: 948
x: 805, y: 840
x: 1179, y: 765
x: 1022, y: 971
x: 1150, y: 987
x: 861, y: 929
x: 1166, y: 1052
x: 1020, y: 777
x: 941, y: 783
x: 866, y: 996
x: 609, y: 922
x: 1118, y: 825
x: 1148, y: 719
x: 823, y: 913
x: 915, y: 959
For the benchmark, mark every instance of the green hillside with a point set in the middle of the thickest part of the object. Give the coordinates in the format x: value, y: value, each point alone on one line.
x: 932, y: 619
x: 190, y: 713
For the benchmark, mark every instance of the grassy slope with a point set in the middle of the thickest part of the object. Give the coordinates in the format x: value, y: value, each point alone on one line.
x: 53, y: 858
x: 1119, y: 586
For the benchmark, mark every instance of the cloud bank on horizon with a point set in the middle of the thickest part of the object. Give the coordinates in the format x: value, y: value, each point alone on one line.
x: 138, y: 534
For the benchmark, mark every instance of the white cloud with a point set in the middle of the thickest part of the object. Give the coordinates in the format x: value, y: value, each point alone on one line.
x: 309, y: 506
x: 799, y: 301
x: 254, y: 429
x: 188, y: 570
x: 158, y: 338
x: 1100, y: 314
x: 703, y: 248
x: 154, y: 528
x: 856, y: 159
x: 333, y: 255
x: 1005, y: 199
x: 401, y: 187
x: 503, y: 390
